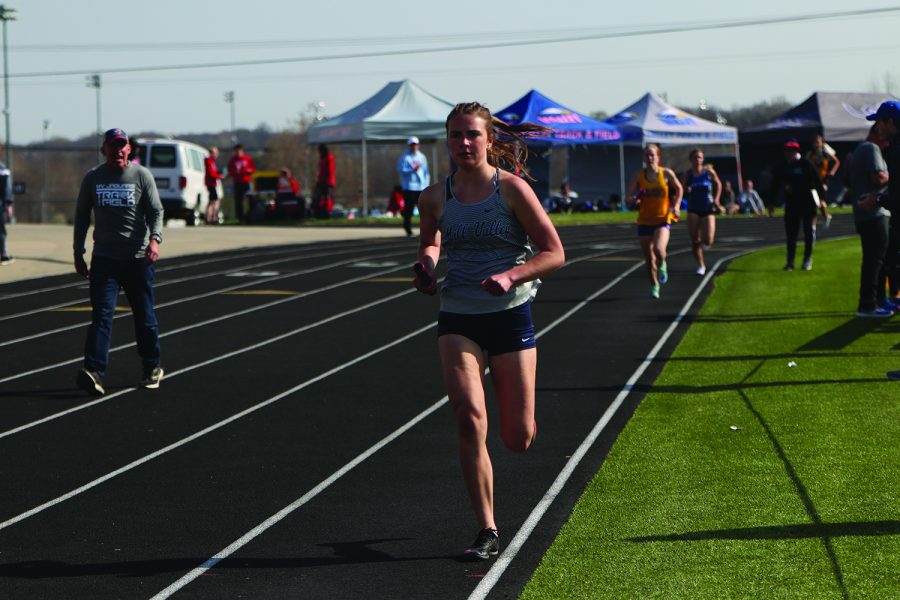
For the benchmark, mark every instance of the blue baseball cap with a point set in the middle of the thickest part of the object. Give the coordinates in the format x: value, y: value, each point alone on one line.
x: 889, y: 109
x: 115, y: 134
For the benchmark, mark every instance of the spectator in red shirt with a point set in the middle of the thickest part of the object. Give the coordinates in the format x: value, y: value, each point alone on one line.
x: 212, y: 186
x: 287, y: 195
x: 323, y: 197
x: 241, y: 168
x: 287, y: 183
x: 396, y: 202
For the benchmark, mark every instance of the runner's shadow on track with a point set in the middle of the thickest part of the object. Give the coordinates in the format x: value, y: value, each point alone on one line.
x: 345, y: 553
x: 48, y: 394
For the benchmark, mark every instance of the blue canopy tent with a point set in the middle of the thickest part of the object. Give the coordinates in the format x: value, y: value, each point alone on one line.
x: 567, y: 128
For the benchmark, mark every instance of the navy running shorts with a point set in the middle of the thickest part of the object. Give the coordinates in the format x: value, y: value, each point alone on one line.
x: 649, y: 229
x: 703, y: 213
x: 509, y: 330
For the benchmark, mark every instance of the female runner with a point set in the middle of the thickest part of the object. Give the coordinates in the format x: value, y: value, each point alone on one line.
x: 703, y: 189
x: 485, y: 218
x: 651, y: 188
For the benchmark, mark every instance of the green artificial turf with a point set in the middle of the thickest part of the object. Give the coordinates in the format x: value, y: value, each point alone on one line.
x: 800, y: 500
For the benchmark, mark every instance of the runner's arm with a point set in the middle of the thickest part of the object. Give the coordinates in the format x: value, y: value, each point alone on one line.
x: 529, y: 212
x: 430, y: 206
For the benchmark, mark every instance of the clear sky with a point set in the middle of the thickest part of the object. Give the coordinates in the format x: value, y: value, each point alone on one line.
x: 727, y: 66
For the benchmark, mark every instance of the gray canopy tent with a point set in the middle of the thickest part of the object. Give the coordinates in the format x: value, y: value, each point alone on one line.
x: 400, y: 109
x: 838, y: 116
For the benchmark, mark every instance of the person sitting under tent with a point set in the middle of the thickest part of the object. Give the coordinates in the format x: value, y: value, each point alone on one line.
x: 749, y: 200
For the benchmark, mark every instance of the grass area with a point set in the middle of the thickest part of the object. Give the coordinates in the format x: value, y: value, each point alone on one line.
x: 801, y: 501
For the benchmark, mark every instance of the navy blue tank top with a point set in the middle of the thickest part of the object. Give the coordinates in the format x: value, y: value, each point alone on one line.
x: 699, y: 192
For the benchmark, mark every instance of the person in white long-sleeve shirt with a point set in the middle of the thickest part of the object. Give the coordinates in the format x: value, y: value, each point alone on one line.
x: 414, y: 177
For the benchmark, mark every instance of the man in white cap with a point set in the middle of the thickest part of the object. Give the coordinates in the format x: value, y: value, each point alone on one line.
x: 414, y: 177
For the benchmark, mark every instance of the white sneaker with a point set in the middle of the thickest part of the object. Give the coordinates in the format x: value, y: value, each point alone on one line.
x: 701, y: 270
x: 151, y: 378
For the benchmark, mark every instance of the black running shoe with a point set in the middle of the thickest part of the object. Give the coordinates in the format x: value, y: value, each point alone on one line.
x: 90, y: 382
x: 486, y: 545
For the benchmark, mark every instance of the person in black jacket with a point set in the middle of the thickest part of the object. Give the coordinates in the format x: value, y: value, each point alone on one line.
x: 798, y: 180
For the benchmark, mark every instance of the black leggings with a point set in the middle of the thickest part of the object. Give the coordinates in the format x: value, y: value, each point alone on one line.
x: 410, y: 200
x: 792, y: 223
x: 891, y: 269
x: 873, y: 234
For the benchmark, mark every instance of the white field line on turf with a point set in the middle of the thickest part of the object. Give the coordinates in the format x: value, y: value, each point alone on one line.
x: 191, y: 278
x: 287, y: 510
x: 509, y: 553
x: 250, y: 283
x: 218, y: 319
x: 235, y: 417
x: 214, y: 427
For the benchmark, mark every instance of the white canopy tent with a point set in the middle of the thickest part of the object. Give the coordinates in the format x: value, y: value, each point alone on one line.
x: 649, y: 120
x: 400, y: 109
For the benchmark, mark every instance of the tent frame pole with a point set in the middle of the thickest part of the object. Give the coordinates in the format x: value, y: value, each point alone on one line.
x: 432, y: 173
x: 621, y: 174
x: 365, y: 179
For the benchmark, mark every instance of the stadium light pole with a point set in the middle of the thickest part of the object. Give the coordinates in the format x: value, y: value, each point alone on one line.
x: 93, y: 81
x: 46, y: 178
x: 6, y: 14
x: 229, y: 99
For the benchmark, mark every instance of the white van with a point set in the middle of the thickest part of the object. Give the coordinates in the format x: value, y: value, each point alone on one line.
x: 178, y: 168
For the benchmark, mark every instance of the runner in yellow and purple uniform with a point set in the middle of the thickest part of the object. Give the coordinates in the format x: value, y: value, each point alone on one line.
x: 657, y: 193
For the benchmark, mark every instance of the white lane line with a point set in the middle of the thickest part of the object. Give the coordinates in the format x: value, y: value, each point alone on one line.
x: 509, y: 553
x: 207, y: 362
x: 324, y: 484
x: 80, y: 407
x: 213, y: 320
x: 208, y: 259
x: 232, y: 315
x: 287, y: 510
x: 235, y: 417
x: 191, y: 278
x: 194, y: 297
x: 211, y: 428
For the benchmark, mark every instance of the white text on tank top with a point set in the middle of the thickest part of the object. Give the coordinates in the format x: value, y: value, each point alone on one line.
x: 481, y: 239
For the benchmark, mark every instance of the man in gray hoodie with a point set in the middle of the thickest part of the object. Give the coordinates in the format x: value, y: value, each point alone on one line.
x: 128, y: 218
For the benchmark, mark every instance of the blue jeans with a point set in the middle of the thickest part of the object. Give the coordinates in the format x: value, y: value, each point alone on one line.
x: 108, y: 276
